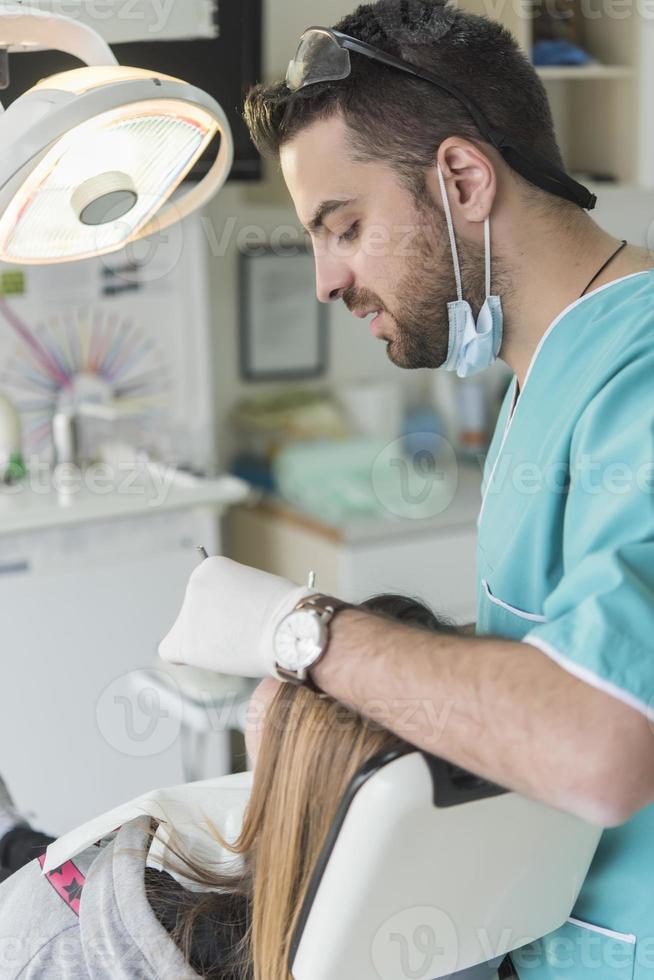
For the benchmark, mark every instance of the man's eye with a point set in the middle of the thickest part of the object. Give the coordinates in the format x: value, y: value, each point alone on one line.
x: 350, y: 234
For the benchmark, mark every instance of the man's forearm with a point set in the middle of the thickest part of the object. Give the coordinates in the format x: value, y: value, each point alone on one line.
x: 498, y: 708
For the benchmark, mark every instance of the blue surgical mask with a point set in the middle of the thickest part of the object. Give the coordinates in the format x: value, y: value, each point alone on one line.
x: 472, y: 346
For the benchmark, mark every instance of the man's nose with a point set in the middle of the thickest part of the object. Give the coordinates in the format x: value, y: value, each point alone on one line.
x: 333, y: 278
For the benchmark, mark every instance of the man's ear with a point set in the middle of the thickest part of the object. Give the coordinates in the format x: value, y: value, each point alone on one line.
x: 470, y: 178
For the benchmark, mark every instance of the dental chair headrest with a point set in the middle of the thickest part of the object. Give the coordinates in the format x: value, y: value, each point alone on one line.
x: 429, y: 870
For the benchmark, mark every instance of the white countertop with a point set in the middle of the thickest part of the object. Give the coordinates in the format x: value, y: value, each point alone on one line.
x: 42, y: 501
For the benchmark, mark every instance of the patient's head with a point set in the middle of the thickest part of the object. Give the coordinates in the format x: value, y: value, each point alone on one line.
x: 307, y: 750
x: 397, y: 607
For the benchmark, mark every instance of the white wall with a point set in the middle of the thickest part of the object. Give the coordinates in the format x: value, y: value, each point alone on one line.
x: 284, y: 21
x: 626, y: 212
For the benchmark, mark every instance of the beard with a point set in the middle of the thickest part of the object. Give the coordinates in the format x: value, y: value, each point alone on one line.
x: 419, y: 334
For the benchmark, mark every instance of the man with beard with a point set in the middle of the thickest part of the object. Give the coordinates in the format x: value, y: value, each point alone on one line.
x: 417, y: 144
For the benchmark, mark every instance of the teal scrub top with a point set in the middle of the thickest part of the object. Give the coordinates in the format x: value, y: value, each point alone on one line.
x: 566, y: 563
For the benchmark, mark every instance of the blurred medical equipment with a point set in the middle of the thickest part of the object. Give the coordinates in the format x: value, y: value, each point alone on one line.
x: 66, y: 429
x: 332, y: 480
x: 426, y: 867
x: 373, y: 408
x: 550, y: 52
x: 120, y: 346
x: 558, y: 34
x: 207, y: 706
x: 367, y: 478
x: 92, y: 156
x: 474, y: 423
x: 11, y: 458
x: 265, y: 424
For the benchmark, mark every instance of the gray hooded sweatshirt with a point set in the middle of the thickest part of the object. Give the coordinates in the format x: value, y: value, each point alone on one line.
x: 90, y: 918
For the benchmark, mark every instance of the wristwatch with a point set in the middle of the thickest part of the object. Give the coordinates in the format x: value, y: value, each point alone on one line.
x: 302, y: 638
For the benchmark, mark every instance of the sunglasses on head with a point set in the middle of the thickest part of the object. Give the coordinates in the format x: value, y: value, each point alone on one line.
x: 323, y: 55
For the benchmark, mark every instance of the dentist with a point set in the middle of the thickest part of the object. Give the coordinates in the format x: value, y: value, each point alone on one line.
x: 413, y: 139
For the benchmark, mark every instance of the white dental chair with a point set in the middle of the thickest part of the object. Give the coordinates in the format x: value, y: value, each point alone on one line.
x: 428, y: 872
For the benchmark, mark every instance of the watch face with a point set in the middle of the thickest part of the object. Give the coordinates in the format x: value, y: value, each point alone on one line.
x: 299, y: 640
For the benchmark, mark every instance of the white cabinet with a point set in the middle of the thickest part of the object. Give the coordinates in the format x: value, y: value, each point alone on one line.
x: 82, y: 607
x: 433, y: 561
x: 437, y: 567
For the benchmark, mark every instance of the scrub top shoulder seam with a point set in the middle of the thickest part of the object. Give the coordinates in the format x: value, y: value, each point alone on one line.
x: 589, y: 677
x: 578, y: 302
x: 623, y: 937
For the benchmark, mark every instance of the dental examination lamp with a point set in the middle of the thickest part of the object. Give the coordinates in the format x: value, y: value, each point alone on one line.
x: 91, y: 157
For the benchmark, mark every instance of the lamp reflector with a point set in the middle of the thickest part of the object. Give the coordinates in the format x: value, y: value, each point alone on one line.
x: 136, y: 154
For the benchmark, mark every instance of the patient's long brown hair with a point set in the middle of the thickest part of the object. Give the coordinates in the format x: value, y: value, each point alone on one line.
x: 310, y: 749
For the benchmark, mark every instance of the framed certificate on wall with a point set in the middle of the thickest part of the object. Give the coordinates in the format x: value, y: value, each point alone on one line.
x: 283, y: 327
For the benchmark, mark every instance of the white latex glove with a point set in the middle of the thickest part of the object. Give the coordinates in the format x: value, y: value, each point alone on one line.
x: 229, y: 617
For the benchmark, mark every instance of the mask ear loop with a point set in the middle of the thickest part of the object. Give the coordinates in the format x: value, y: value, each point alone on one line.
x: 450, y: 230
x: 487, y: 255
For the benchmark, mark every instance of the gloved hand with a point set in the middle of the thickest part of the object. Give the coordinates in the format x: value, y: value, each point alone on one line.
x: 228, y: 619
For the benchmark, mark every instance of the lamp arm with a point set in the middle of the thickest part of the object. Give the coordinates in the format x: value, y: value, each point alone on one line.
x: 25, y: 27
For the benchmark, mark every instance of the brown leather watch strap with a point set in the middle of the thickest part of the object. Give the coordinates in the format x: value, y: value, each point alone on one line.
x: 307, y: 682
x: 324, y: 603
x: 311, y: 684
x: 328, y: 604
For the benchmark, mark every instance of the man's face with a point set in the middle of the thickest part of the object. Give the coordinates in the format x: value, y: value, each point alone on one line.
x: 376, y: 247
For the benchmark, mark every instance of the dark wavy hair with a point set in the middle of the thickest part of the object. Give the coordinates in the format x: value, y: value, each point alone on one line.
x: 406, y: 609
x: 402, y: 121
